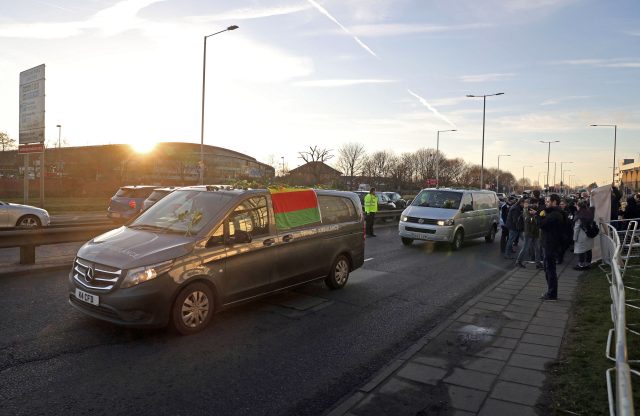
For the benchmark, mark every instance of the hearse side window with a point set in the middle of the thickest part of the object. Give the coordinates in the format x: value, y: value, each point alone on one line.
x: 336, y: 209
x: 482, y: 201
x: 251, y: 216
x: 467, y: 201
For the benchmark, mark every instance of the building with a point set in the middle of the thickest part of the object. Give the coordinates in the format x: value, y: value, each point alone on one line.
x: 314, y: 173
x: 88, y: 170
x: 628, y: 175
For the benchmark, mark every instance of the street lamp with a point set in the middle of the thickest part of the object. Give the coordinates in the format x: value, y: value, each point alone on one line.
x: 204, y: 72
x: 484, y: 107
x: 615, y: 134
x: 562, y: 180
x: 59, y: 126
x: 282, y: 157
x: 548, y: 155
x: 438, y: 156
x: 571, y: 184
x: 527, y: 166
x: 498, y: 174
x: 562, y: 177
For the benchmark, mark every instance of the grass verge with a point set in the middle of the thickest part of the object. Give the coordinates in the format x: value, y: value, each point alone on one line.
x: 61, y: 205
x: 577, y: 383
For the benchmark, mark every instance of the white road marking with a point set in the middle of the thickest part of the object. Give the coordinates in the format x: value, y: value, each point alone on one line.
x: 370, y: 258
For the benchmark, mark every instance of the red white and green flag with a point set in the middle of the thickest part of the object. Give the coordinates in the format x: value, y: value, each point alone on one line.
x: 294, y: 207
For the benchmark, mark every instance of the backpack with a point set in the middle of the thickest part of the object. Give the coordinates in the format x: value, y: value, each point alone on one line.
x: 591, y: 229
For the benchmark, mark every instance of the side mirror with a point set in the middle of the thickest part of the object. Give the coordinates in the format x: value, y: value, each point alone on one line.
x: 216, y: 240
x: 241, y: 237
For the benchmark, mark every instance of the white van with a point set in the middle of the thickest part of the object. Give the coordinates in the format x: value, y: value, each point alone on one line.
x: 450, y: 215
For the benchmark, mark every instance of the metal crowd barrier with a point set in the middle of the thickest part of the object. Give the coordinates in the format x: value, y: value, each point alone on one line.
x: 612, y: 246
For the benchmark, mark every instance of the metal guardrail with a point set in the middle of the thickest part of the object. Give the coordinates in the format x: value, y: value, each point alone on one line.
x: 612, y: 247
x: 28, y: 239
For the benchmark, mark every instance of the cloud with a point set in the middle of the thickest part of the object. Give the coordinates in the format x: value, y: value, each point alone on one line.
x: 602, y: 63
x: 486, y: 77
x: 250, y: 13
x: 341, y: 82
x: 558, y: 100
x: 433, y: 110
x: 113, y: 20
x: 333, y: 19
x: 399, y: 29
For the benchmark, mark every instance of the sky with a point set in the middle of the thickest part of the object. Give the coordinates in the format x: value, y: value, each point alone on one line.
x: 298, y: 73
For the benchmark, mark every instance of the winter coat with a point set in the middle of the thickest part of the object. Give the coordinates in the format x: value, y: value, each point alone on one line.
x: 552, y: 226
x: 582, y: 243
x: 530, y: 224
x: 632, y: 210
x: 512, y: 219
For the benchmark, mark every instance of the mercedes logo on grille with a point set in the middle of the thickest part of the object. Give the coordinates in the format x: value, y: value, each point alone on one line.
x: 90, y: 275
x: 421, y: 221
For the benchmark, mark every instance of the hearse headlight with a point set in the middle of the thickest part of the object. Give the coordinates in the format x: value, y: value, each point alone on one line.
x: 146, y: 273
x: 448, y: 222
x: 404, y: 218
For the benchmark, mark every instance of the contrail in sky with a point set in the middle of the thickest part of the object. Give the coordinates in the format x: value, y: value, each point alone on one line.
x: 326, y: 13
x: 333, y: 19
x: 433, y: 110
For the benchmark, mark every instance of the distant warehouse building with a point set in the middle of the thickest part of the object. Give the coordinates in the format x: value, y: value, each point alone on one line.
x: 109, y: 166
x: 628, y: 175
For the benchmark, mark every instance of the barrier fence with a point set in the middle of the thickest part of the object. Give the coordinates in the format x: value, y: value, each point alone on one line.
x: 620, y: 246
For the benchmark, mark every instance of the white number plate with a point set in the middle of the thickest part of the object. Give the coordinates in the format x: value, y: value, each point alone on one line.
x: 87, y: 297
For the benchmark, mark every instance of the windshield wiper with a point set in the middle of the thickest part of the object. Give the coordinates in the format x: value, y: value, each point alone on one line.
x: 148, y: 227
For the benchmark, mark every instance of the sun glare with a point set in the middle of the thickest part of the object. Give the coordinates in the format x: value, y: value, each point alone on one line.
x: 142, y: 147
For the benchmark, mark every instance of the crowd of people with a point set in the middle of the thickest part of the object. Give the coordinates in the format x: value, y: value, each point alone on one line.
x: 550, y: 226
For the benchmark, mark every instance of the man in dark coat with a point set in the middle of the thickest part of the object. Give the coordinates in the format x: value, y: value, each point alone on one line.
x: 514, y: 225
x: 551, y: 224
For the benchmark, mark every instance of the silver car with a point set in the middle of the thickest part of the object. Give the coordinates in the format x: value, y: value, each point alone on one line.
x: 18, y: 215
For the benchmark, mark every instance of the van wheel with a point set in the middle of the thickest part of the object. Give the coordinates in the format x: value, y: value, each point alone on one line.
x: 339, y: 273
x: 406, y: 241
x: 192, y: 309
x: 458, y: 238
x: 492, y: 235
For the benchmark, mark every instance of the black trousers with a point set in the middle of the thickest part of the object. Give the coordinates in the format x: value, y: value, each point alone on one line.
x: 550, y: 258
x: 585, y: 257
x: 371, y: 216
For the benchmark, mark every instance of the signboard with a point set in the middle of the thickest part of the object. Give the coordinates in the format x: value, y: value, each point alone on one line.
x: 431, y: 182
x: 31, y: 148
x: 32, y: 105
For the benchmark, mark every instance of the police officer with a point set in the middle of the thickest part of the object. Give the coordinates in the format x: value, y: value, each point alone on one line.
x: 370, y: 209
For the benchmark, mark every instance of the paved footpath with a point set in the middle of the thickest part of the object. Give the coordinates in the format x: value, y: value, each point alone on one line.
x: 489, y: 358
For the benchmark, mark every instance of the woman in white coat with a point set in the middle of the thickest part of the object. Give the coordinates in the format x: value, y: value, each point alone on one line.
x: 583, y: 245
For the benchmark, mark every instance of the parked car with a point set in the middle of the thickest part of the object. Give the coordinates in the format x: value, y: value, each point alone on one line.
x: 18, y: 215
x: 450, y: 215
x: 156, y: 196
x: 397, y: 199
x: 202, y: 249
x: 384, y: 203
x: 128, y: 202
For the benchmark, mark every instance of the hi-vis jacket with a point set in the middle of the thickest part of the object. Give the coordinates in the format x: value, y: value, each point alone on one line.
x: 370, y: 203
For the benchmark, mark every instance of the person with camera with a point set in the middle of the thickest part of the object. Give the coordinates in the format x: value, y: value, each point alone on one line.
x: 551, y: 224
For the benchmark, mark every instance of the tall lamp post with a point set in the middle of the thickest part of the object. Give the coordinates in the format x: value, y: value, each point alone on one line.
x: 282, y: 157
x: 571, y: 181
x: 548, y: 156
x: 438, y: 155
x: 615, y: 134
x: 484, y: 107
x: 204, y: 73
x: 527, y: 166
x: 562, y: 180
x: 498, y: 174
x: 562, y: 176
x: 59, y: 126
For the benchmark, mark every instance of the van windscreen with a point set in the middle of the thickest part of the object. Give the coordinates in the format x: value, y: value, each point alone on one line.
x: 182, y: 211
x: 438, y: 199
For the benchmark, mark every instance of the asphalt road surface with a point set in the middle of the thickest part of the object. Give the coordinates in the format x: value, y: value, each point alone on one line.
x: 296, y: 353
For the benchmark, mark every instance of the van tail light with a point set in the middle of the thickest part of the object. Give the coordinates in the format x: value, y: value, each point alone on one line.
x: 132, y: 204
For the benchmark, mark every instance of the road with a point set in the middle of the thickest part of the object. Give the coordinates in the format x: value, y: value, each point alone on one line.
x: 297, y: 353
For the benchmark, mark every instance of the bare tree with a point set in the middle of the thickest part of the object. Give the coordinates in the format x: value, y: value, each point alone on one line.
x: 6, y: 142
x: 316, y: 155
x: 351, y: 159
